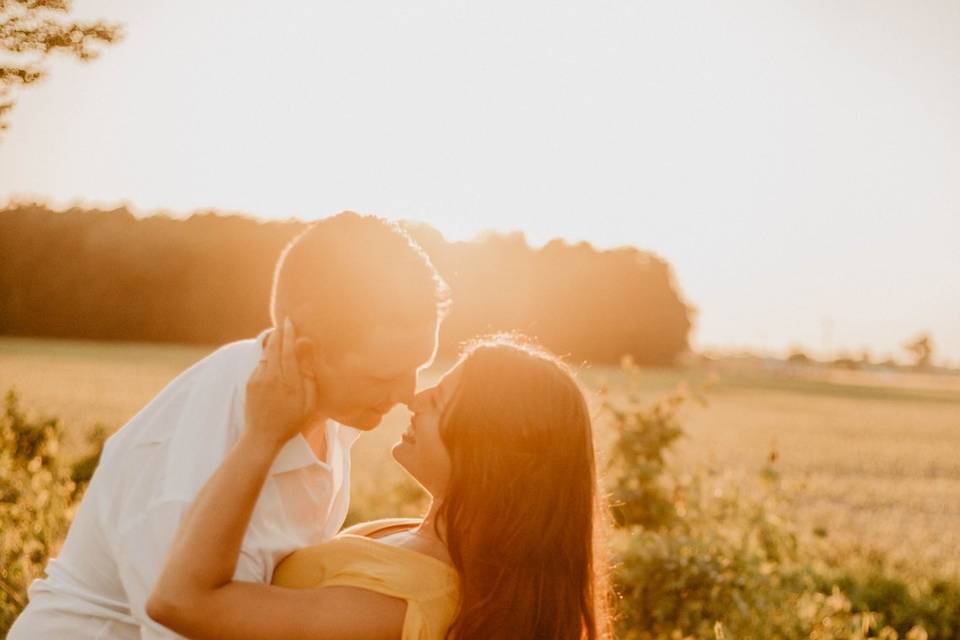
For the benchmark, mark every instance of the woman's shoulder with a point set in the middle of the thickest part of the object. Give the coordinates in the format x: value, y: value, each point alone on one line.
x: 355, y: 558
x: 383, y: 525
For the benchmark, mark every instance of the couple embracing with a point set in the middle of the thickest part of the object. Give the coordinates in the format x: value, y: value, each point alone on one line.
x: 216, y: 512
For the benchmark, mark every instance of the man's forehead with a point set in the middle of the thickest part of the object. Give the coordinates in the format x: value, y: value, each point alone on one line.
x: 395, y: 350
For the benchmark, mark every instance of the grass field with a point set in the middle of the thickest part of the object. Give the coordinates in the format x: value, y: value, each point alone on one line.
x: 872, y: 462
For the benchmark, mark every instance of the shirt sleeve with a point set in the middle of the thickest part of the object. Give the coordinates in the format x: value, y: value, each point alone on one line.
x: 196, y: 420
x: 142, y: 551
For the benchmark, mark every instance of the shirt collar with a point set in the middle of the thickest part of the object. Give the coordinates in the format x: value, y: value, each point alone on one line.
x: 347, y: 435
x: 295, y: 454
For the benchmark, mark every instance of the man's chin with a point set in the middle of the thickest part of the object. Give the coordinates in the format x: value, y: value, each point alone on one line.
x: 364, y: 420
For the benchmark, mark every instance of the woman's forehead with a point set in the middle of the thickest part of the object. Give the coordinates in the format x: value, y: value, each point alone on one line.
x: 449, y: 381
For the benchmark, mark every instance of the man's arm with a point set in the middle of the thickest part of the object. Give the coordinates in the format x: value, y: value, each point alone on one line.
x: 195, y: 427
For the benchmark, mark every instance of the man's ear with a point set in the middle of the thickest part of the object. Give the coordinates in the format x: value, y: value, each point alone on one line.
x: 308, y: 357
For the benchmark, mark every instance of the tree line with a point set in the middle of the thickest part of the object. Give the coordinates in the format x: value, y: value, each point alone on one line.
x: 98, y: 274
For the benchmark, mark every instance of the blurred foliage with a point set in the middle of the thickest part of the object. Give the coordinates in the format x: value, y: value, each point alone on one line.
x: 932, y: 603
x: 921, y: 349
x: 206, y: 279
x: 38, y: 494
x: 696, y: 557
x: 640, y: 491
x: 373, y: 503
x: 32, y: 30
x: 576, y: 300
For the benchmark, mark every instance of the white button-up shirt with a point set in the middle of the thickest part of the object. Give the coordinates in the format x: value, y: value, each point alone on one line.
x: 149, y: 473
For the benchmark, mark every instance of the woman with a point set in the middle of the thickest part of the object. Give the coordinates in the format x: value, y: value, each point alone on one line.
x: 503, y: 445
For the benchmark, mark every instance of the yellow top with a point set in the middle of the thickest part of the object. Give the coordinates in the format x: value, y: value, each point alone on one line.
x: 354, y: 559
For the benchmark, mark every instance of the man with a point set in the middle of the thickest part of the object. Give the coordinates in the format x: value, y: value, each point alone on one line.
x: 366, y: 304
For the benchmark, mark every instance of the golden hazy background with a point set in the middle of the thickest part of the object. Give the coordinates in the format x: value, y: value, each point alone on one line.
x: 796, y: 163
x: 739, y: 222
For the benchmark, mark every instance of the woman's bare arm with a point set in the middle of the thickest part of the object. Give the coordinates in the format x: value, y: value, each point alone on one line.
x: 197, y: 598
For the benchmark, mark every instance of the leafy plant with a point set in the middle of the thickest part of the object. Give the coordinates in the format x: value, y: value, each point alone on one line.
x: 699, y: 558
x: 38, y: 495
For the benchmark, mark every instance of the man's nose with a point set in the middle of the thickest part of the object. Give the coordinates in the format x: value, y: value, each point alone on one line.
x: 404, y: 392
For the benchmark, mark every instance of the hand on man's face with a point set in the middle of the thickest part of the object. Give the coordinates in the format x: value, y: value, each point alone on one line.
x: 279, y: 398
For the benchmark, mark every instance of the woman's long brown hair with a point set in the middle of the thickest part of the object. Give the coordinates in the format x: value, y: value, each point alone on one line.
x: 521, y: 507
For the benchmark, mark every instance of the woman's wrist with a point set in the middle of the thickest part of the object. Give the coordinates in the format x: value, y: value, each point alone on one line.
x: 261, y: 444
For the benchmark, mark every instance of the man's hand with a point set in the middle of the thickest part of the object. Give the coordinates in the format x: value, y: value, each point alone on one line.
x: 279, y: 399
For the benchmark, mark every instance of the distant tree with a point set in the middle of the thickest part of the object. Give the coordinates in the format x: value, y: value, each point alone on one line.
x: 889, y: 363
x: 921, y: 348
x: 845, y: 361
x: 206, y: 279
x: 798, y: 356
x: 32, y: 30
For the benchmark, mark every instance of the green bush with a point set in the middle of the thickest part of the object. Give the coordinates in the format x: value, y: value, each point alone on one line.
x: 697, y: 558
x: 931, y: 603
x: 725, y: 560
x: 692, y: 552
x: 38, y: 495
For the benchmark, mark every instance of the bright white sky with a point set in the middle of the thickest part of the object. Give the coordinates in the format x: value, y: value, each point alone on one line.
x: 797, y: 162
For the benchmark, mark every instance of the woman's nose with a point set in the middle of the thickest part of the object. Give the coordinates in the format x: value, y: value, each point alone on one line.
x: 416, y: 402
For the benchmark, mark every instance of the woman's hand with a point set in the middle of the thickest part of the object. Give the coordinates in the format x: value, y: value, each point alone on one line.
x: 279, y: 398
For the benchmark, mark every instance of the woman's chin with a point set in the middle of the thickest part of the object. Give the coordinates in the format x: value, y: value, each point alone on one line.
x: 397, y: 452
x: 401, y: 453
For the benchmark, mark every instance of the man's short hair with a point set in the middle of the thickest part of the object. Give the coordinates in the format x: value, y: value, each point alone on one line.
x: 346, y: 274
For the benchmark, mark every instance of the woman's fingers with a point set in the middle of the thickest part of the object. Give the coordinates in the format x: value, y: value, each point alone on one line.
x: 278, y: 400
x: 271, y: 355
x: 309, y: 398
x: 288, y: 358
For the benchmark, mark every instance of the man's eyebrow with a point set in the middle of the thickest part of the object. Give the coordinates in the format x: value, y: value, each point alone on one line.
x: 387, y: 377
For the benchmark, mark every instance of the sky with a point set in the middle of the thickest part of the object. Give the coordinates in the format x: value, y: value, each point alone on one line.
x: 797, y: 163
